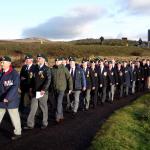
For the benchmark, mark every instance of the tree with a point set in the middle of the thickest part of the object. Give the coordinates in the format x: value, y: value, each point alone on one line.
x: 101, y: 40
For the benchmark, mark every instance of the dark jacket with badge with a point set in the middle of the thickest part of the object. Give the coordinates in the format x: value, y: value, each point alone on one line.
x: 41, y: 79
x: 9, y: 85
x: 94, y: 73
x: 27, y: 74
x: 112, y: 74
x: 103, y: 77
x: 140, y: 73
x: 89, y: 78
x: 127, y: 76
x: 120, y: 76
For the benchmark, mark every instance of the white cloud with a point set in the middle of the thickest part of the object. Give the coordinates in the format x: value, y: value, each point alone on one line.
x: 135, y: 6
x: 71, y: 25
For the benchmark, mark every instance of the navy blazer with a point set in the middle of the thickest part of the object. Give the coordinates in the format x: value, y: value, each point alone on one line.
x: 79, y: 80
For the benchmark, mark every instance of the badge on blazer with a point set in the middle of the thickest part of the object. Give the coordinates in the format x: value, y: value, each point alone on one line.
x: 30, y: 75
x: 8, y: 83
x: 88, y: 74
x: 112, y: 73
x: 105, y: 73
x: 121, y: 74
x: 95, y: 74
x: 41, y: 74
x: 126, y: 71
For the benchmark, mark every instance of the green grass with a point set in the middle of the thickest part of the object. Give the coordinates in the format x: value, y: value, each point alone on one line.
x: 126, y: 129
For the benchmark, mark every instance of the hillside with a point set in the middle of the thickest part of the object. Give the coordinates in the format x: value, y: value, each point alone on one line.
x: 78, y: 48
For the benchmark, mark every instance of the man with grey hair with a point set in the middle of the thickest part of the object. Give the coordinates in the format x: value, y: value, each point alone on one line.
x: 39, y: 92
x: 9, y: 96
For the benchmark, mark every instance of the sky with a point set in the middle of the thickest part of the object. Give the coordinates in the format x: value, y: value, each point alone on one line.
x: 74, y: 19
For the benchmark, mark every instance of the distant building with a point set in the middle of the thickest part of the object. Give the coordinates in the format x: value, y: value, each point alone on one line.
x: 125, y: 39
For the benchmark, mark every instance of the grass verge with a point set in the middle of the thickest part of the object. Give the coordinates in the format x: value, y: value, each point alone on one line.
x: 126, y: 129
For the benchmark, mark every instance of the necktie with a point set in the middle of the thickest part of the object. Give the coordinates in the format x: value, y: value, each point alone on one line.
x: 72, y: 73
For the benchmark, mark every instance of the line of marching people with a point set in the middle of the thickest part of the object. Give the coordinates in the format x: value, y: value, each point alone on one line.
x: 67, y: 85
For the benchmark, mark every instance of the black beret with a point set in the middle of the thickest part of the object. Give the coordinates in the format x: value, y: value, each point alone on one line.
x: 6, y: 58
x: 58, y: 59
x: 41, y: 55
x: 110, y: 62
x: 84, y: 60
x: 28, y: 56
x: 92, y: 61
x: 72, y: 59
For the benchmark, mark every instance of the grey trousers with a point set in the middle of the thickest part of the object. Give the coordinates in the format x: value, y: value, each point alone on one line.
x: 87, y: 98
x: 121, y: 90
x: 103, y: 94
x: 15, y: 119
x: 59, y: 97
x: 76, y: 100
x: 133, y: 87
x: 42, y: 103
x: 111, y: 92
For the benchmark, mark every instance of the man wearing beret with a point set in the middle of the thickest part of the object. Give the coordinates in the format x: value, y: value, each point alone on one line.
x: 9, y: 96
x: 79, y: 84
x: 39, y: 92
x: 61, y: 79
x: 26, y: 76
x: 90, y: 84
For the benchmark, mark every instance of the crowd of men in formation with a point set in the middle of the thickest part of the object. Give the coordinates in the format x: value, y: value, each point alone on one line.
x: 80, y: 85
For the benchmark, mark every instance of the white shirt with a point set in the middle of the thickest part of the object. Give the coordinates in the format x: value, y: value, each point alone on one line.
x: 72, y: 69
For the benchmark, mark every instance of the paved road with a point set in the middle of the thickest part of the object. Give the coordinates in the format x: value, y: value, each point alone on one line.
x: 72, y: 134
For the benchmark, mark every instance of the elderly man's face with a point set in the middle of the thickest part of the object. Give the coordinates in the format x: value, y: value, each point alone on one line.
x: 29, y: 61
x: 84, y: 64
x: 58, y: 62
x: 5, y: 65
x: 72, y: 64
x: 40, y: 60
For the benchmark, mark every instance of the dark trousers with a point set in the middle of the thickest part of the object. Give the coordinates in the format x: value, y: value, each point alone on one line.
x: 94, y: 97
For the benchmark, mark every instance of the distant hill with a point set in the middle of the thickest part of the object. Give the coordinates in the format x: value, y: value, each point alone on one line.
x: 77, y: 48
x: 28, y: 40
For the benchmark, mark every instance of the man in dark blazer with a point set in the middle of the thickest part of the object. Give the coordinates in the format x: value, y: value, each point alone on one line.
x: 94, y: 91
x: 39, y: 92
x: 120, y: 80
x: 127, y: 77
x: 112, y: 82
x: 26, y: 75
x: 103, y: 81
x: 90, y: 84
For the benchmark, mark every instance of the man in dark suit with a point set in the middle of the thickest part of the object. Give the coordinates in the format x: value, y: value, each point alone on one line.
x: 90, y: 84
x: 39, y: 91
x: 127, y: 77
x: 103, y: 81
x: 120, y: 80
x: 94, y: 91
x: 26, y: 75
x: 140, y: 77
x: 112, y: 82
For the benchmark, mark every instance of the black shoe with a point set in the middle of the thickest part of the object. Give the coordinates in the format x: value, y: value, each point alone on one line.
x: 15, y: 137
x: 28, y: 128
x: 43, y: 127
x: 102, y: 103
x: 74, y: 114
